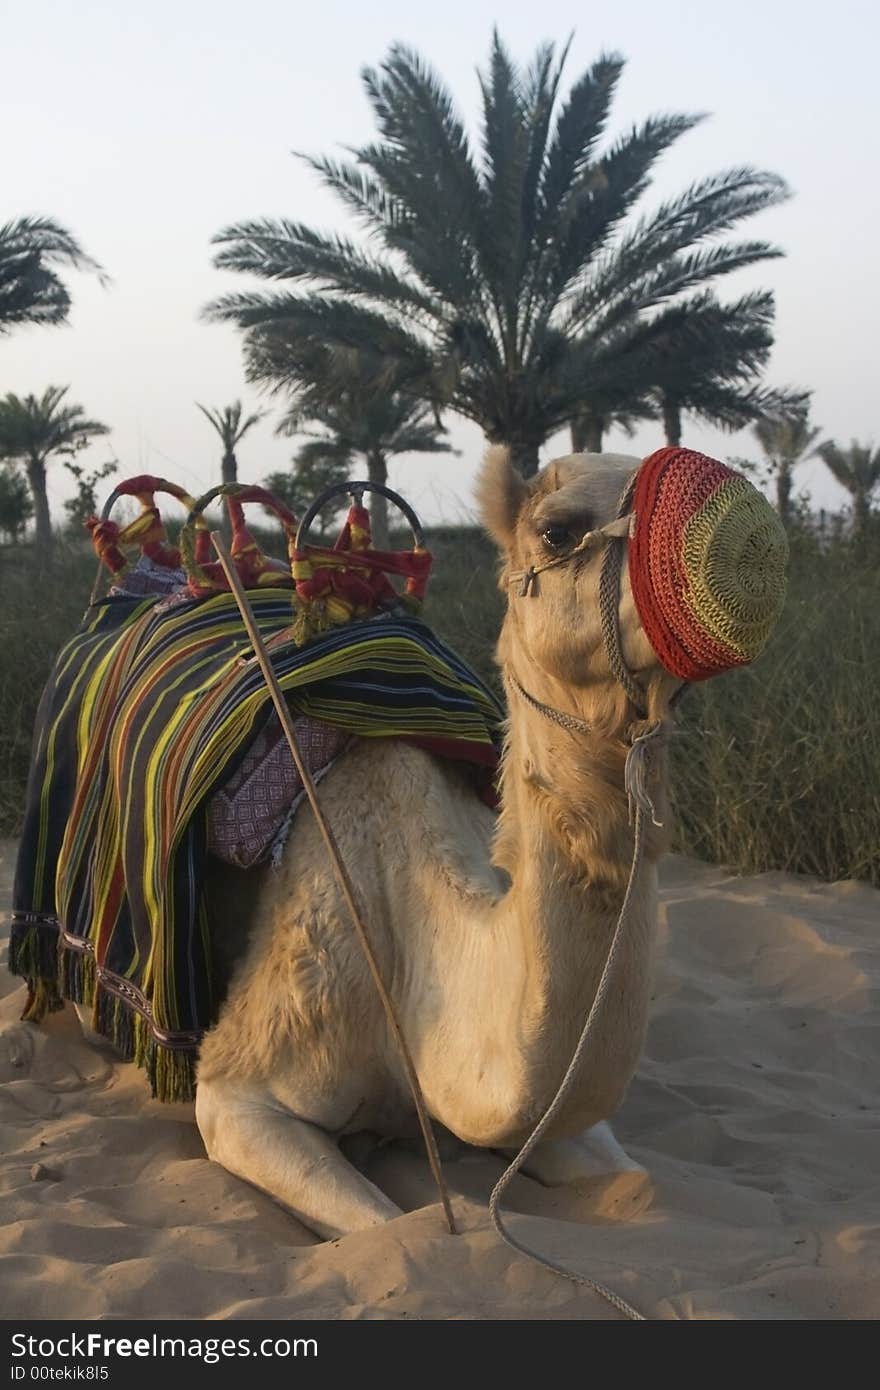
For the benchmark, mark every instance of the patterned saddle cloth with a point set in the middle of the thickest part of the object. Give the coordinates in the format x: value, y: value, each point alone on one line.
x: 156, y: 744
x: 250, y: 817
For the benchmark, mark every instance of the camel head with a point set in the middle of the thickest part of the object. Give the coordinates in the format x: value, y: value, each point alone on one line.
x: 700, y: 587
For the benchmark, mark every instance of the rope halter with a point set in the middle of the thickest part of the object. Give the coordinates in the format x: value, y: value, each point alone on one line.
x: 611, y: 539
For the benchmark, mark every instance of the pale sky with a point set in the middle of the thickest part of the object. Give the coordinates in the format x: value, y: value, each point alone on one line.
x: 145, y: 128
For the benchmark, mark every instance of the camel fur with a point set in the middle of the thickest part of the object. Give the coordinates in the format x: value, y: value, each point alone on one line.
x: 491, y: 931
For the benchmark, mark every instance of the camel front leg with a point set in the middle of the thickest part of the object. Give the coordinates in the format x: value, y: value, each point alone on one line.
x: 596, y: 1166
x: 246, y: 1131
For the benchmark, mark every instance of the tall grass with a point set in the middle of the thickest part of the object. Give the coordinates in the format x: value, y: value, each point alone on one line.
x: 39, y: 610
x: 775, y: 767
x: 778, y: 766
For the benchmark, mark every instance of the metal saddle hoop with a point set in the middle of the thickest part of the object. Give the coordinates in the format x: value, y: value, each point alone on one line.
x: 146, y: 532
x: 192, y: 554
x: 256, y: 569
x: 350, y: 579
x: 356, y: 491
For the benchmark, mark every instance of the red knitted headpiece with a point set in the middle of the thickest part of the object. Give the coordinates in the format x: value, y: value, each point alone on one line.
x: 706, y: 562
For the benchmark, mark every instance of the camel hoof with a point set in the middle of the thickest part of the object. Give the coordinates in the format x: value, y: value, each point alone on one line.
x: 618, y: 1196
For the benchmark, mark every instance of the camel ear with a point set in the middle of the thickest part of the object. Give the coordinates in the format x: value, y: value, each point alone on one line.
x: 501, y: 492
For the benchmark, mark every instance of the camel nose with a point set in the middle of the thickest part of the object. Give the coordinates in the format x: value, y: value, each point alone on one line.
x: 707, y: 563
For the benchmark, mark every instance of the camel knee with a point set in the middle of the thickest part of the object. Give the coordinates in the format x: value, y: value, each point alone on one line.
x: 211, y: 1106
x: 298, y: 1164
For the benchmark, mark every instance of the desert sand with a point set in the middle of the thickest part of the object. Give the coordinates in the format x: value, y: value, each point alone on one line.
x: 755, y: 1109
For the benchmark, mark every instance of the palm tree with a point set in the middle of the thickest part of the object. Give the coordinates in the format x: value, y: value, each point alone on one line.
x: 498, y: 281
x: 786, y: 441
x: 231, y: 429
x: 362, y: 426
x: 30, y: 288
x: 32, y: 430
x: 858, y: 470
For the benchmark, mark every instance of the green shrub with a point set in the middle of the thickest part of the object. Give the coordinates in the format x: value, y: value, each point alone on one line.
x: 39, y: 610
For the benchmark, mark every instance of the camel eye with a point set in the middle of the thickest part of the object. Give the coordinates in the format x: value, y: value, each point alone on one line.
x: 555, y: 537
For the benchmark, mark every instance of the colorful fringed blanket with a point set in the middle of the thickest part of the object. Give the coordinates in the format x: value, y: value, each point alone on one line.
x: 150, y: 709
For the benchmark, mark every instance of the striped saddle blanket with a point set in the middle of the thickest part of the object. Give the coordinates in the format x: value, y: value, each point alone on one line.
x: 155, y: 712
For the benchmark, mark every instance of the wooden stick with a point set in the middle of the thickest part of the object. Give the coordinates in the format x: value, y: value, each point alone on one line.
x: 345, y: 883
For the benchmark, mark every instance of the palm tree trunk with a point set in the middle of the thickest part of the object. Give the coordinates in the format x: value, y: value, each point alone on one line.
x: 229, y: 468
x: 377, y: 472
x: 524, y: 457
x: 860, y: 512
x: 783, y: 492
x: 36, y: 476
x: 672, y: 422
x: 586, y: 433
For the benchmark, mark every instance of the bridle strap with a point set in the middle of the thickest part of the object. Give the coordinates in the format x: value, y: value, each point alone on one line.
x: 590, y: 540
x: 558, y: 716
x: 609, y: 617
x: 609, y: 609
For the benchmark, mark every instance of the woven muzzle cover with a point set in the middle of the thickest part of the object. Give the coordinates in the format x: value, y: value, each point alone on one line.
x: 707, y: 560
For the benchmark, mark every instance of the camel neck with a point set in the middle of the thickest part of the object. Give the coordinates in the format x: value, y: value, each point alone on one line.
x: 566, y: 843
x: 563, y: 791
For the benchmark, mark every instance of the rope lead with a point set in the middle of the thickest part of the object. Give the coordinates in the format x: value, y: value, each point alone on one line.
x: 642, y: 803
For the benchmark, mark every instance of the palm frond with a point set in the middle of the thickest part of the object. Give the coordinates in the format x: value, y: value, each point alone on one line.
x: 335, y: 320
x: 579, y: 128
x: 53, y: 243
x: 30, y: 288
x: 29, y: 293
x: 540, y: 92
x: 641, y: 268
x: 786, y: 436
x: 324, y: 449
x: 419, y: 439
x: 367, y: 197
x: 283, y: 250
x: 856, y: 468
x: 36, y: 427
x: 229, y: 424
x: 506, y: 148
x: 600, y: 199
x: 728, y: 406
x: 425, y: 163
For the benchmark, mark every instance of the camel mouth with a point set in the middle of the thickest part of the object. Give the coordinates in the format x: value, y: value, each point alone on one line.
x: 707, y: 562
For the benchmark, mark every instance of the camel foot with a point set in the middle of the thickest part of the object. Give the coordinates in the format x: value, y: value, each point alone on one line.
x: 611, y: 1184
x: 614, y: 1196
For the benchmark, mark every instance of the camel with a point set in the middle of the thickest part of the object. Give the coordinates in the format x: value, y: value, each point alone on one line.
x: 491, y: 930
